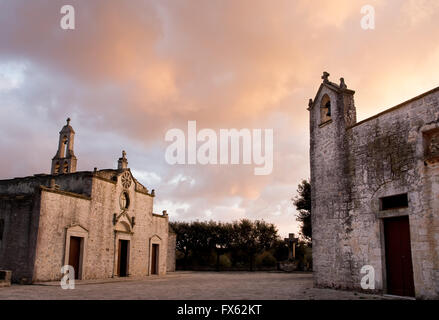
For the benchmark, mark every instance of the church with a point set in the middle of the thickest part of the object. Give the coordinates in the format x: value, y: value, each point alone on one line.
x: 375, y: 194
x: 100, y: 222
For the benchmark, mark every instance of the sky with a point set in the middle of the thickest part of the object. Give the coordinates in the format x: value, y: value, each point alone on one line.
x: 132, y: 70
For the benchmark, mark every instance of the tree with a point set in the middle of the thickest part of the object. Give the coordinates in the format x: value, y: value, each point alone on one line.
x: 253, y: 237
x: 201, y: 240
x: 242, y: 239
x: 185, y: 238
x: 221, y: 239
x: 303, y: 204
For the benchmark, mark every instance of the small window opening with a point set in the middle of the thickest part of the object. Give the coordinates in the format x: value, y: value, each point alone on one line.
x: 328, y: 107
x: 57, y: 167
x: 66, y: 148
x: 325, y: 109
x: 394, y: 202
x: 63, y: 147
x: 66, y: 167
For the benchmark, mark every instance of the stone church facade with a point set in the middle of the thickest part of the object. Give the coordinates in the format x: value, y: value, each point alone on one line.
x: 100, y: 222
x: 375, y: 193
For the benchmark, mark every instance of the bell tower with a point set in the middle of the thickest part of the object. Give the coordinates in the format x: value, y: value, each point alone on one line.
x: 332, y: 113
x: 65, y: 161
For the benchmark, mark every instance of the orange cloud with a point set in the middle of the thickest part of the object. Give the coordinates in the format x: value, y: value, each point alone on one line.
x: 134, y: 69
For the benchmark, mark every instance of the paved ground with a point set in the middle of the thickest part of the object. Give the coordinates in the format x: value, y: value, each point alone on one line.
x: 189, y: 285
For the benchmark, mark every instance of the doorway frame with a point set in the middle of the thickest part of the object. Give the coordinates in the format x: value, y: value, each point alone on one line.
x: 119, y: 258
x: 155, y: 257
x: 393, y: 213
x: 390, y: 189
x: 122, y: 235
x: 383, y: 241
x: 80, y: 232
x: 155, y: 239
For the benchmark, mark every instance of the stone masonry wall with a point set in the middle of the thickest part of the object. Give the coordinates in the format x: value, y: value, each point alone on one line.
x: 61, y: 212
x: 78, y: 182
x: 387, y: 157
x: 330, y: 190
x: 352, y: 167
x: 160, y: 230
x: 172, y: 238
x: 17, y: 248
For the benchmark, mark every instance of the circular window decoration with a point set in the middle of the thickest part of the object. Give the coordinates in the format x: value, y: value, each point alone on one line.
x: 126, y: 179
x: 124, y: 200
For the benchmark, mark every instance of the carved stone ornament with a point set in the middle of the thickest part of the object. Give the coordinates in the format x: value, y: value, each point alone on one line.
x: 126, y: 180
x: 124, y: 200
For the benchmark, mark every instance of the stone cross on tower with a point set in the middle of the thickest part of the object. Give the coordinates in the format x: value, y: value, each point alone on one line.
x: 325, y: 76
x: 64, y: 160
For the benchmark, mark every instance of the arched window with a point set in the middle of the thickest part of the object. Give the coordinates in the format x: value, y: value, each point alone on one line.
x: 325, y: 109
x: 65, y: 168
x: 63, y: 147
x: 56, y: 167
x: 66, y: 146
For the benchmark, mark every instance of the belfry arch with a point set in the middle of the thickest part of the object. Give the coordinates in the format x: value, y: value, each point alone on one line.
x: 64, y: 160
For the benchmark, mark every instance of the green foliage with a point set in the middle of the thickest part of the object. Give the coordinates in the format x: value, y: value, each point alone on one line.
x: 241, y: 240
x: 224, y: 261
x: 266, y: 259
x: 280, y: 250
x: 303, y: 204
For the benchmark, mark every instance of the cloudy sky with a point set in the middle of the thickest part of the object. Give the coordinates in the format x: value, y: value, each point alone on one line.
x: 131, y: 70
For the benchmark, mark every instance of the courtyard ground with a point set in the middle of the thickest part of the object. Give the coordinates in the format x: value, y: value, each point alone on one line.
x: 189, y: 286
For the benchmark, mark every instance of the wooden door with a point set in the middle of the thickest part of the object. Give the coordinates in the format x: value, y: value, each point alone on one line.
x: 398, y: 257
x: 75, y: 254
x: 154, y: 259
x: 122, y: 262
